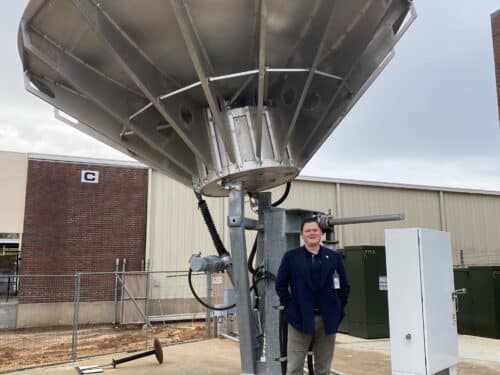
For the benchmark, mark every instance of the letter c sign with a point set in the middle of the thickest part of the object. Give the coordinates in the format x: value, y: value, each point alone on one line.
x: 90, y: 177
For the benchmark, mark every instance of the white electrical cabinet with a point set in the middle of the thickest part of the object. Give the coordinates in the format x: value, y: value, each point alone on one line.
x: 422, y: 316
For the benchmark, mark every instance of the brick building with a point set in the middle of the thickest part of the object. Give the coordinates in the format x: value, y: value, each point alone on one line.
x: 72, y: 225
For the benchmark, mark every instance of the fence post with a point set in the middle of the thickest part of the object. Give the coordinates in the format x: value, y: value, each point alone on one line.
x: 117, y: 265
x: 146, y: 308
x: 76, y: 308
x: 209, y: 302
x: 122, y: 281
x: 8, y: 288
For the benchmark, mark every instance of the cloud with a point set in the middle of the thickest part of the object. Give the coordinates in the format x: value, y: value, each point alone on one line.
x: 39, y: 132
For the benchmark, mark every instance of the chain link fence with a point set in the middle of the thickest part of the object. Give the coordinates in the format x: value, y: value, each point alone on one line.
x: 49, y: 319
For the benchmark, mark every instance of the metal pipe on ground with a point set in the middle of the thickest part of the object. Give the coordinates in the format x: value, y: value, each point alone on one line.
x: 94, y: 369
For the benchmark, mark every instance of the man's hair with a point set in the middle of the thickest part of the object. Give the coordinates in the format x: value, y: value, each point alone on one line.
x: 309, y: 220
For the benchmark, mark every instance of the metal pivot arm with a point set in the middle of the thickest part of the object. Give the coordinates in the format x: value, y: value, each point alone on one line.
x: 201, y: 64
x: 246, y: 324
x: 262, y: 77
x: 328, y: 221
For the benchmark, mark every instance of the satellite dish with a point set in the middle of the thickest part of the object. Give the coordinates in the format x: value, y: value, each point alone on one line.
x: 210, y: 92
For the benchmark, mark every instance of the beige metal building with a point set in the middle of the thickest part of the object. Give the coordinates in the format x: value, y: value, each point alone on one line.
x: 13, y: 168
x: 176, y: 229
x: 13, y: 175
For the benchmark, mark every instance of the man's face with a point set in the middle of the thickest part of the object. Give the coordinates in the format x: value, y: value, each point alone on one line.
x: 311, y: 234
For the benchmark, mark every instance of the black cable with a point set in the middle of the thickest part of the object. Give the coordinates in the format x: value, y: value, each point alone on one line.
x: 257, y: 277
x: 283, y: 339
x: 252, y: 256
x: 284, y: 196
x: 221, y: 250
x: 310, y: 366
x: 190, y: 282
x: 254, y: 246
x: 207, y: 217
x: 219, y: 246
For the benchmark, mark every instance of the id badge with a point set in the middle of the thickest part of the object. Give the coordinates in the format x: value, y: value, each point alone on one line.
x: 336, y: 280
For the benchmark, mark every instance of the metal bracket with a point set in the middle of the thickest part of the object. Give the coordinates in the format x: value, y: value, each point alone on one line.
x: 252, y: 224
x: 238, y: 221
x: 234, y: 221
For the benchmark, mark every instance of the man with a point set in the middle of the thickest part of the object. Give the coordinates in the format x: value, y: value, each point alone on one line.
x: 312, y: 286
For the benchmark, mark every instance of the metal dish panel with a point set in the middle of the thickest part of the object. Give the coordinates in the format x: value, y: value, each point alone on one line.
x: 152, y: 26
x: 174, y: 74
x: 227, y: 31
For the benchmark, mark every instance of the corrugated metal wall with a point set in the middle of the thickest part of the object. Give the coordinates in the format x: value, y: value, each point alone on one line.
x: 177, y: 230
x: 474, y: 222
x: 420, y: 207
x: 315, y: 196
x: 175, y: 226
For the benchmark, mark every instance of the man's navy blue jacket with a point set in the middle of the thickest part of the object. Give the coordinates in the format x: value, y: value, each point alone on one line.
x: 294, y: 288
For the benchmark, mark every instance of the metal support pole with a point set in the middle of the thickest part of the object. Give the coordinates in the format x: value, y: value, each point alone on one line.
x: 117, y: 265
x: 76, y: 308
x: 134, y: 301
x: 17, y: 273
x: 215, y: 330
x: 264, y: 287
x: 330, y: 241
x: 209, y: 302
x: 246, y: 325
x: 122, y: 291
x: 8, y: 288
x: 146, y: 308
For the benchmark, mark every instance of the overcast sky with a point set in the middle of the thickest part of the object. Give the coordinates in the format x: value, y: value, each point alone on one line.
x: 431, y: 118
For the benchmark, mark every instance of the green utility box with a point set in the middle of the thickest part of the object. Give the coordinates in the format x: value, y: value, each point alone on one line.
x: 367, y: 310
x: 465, y: 313
x: 344, y: 325
x: 479, y: 309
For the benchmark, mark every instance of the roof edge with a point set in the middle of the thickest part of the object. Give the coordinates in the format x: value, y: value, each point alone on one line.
x: 86, y: 160
x: 397, y: 185
x: 135, y: 164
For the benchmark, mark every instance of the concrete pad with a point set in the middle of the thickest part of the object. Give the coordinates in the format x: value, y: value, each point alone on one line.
x: 357, y: 343
x: 210, y: 357
x: 479, y: 348
x: 469, y: 347
x: 353, y: 356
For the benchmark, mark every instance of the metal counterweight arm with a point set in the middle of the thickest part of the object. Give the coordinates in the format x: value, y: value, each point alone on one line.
x: 328, y: 221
